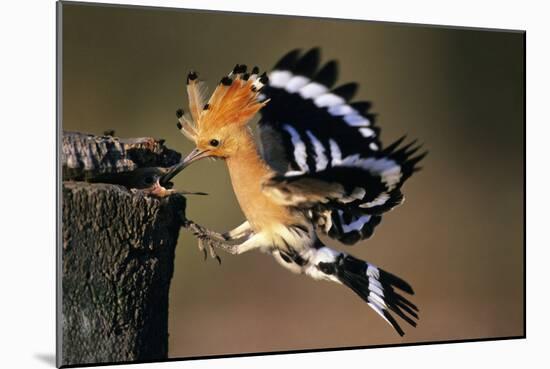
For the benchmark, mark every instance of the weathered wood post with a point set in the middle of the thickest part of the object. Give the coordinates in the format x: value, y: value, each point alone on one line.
x: 117, y: 252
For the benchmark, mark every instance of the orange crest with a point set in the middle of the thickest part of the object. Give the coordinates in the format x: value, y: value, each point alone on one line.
x: 234, y: 102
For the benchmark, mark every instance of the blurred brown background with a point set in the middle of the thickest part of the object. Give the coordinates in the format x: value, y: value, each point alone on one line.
x: 458, y: 239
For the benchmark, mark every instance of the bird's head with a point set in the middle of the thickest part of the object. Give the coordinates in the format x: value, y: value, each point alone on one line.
x: 216, y: 125
x: 219, y: 142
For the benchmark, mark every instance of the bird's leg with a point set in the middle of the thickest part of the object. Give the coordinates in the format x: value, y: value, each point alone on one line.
x: 208, y: 239
x: 253, y: 241
x: 241, y: 231
x: 233, y: 235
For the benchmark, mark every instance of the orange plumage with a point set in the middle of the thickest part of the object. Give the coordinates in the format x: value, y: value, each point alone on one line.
x: 233, y: 102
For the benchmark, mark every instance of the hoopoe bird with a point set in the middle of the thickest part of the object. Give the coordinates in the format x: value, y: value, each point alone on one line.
x: 320, y: 168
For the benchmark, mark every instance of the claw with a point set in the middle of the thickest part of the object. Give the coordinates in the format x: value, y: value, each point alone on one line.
x: 213, y: 254
x: 200, y: 243
x: 206, y: 239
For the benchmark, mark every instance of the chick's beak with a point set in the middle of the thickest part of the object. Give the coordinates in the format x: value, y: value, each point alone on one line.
x: 175, y: 169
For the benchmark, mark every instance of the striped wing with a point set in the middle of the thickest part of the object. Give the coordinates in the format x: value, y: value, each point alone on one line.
x: 326, y: 149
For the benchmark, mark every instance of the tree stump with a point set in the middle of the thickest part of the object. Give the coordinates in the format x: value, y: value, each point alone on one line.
x: 117, y: 258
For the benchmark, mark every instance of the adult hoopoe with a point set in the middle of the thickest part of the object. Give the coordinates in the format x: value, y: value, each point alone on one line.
x: 321, y: 168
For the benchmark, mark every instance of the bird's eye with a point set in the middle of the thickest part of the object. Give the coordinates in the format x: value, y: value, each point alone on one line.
x: 148, y: 180
x: 214, y: 142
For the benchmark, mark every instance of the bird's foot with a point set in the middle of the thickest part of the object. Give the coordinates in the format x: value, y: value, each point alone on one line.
x: 207, y: 240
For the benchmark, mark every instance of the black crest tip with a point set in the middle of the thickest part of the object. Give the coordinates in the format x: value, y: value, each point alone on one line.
x: 255, y: 70
x: 179, y: 113
x: 178, y: 124
x: 226, y: 81
x: 191, y: 76
x: 206, y: 106
x: 239, y: 69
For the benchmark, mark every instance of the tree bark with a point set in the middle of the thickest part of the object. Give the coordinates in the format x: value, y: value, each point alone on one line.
x: 85, y: 156
x: 117, y: 262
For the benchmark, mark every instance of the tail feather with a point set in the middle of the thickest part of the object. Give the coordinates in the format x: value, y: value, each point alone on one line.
x: 376, y: 287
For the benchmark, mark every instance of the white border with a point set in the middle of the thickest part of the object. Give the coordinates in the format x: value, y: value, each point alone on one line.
x: 27, y: 327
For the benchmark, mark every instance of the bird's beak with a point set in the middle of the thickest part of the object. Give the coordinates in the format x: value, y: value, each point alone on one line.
x: 175, y: 169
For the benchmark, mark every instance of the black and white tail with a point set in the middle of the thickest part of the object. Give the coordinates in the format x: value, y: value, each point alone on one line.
x: 375, y: 286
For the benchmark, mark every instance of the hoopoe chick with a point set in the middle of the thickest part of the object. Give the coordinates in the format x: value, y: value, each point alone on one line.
x: 320, y: 169
x: 154, y: 181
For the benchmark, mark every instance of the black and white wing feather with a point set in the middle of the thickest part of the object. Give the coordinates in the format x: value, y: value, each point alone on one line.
x: 326, y: 149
